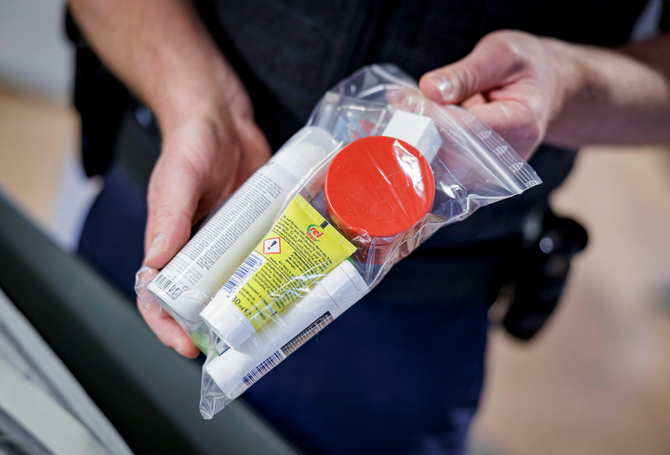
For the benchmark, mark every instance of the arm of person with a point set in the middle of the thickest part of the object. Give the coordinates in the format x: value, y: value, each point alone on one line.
x: 532, y: 89
x: 163, y: 52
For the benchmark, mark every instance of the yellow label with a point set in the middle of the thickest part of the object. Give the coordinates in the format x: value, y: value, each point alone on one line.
x: 299, y: 249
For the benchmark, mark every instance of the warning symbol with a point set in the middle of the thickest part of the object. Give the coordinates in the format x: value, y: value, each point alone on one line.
x: 272, y: 246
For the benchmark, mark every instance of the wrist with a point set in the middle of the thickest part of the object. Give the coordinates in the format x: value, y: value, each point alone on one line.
x: 203, y: 91
x: 573, y: 83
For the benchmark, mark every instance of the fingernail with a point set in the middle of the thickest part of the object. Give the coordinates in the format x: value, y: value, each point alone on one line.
x: 158, y: 245
x: 442, y: 84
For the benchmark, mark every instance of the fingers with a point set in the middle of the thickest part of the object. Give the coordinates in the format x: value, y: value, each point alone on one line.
x: 494, y: 62
x: 169, y: 332
x: 506, y: 81
x: 174, y: 193
x: 515, y: 121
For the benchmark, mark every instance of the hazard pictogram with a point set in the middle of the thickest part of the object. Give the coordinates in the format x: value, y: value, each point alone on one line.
x: 272, y: 245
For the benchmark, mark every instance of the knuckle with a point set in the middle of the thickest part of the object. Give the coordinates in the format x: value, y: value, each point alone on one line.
x: 166, y: 215
x: 152, y: 193
x: 464, y: 80
x: 507, y: 36
x: 499, y: 40
x: 508, y: 44
x: 532, y: 128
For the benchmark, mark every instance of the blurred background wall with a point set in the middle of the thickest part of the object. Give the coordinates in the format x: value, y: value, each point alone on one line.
x: 39, y: 130
x: 34, y: 56
x: 595, y: 381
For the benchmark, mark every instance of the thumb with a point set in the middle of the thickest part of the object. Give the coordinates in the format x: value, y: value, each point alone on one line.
x: 172, y: 202
x: 492, y: 63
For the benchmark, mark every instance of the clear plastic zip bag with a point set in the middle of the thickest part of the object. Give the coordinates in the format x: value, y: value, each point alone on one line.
x: 376, y: 171
x: 201, y: 269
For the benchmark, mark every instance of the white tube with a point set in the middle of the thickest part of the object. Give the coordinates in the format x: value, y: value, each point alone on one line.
x: 236, y: 370
x: 202, y: 267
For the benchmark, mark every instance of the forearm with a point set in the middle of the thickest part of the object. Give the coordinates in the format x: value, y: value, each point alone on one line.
x: 162, y: 51
x: 613, y: 96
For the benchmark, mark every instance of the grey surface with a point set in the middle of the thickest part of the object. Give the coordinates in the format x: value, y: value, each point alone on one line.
x: 16, y: 440
x: 149, y: 393
x: 23, y: 348
x: 44, y: 418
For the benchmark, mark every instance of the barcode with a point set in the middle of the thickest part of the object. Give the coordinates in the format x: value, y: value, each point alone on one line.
x: 162, y: 282
x: 248, y: 267
x: 304, y: 336
x: 174, y: 292
x: 260, y: 371
x: 165, y: 284
x: 297, y: 341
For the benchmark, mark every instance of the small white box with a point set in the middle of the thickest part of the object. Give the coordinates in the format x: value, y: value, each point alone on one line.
x: 416, y: 130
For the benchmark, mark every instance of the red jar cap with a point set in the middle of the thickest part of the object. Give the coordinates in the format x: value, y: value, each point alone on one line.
x: 378, y: 187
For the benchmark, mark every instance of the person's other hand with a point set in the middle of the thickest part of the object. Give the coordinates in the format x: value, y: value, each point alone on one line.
x: 206, y: 155
x: 515, y: 82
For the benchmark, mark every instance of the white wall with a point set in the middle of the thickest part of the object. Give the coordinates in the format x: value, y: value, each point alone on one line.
x: 36, y: 58
x: 35, y: 55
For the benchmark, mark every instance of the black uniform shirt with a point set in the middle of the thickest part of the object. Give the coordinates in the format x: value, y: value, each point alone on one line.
x: 289, y: 52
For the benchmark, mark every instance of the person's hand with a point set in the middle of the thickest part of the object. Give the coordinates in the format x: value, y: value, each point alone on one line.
x: 206, y: 155
x: 163, y: 52
x: 515, y: 82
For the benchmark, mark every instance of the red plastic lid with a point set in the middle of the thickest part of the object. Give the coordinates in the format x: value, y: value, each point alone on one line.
x: 378, y: 187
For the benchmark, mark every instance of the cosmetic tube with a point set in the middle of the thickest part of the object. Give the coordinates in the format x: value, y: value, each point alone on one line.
x: 208, y: 260
x: 236, y: 370
x: 300, y: 249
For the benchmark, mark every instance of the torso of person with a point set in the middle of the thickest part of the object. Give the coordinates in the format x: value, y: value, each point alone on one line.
x: 289, y: 53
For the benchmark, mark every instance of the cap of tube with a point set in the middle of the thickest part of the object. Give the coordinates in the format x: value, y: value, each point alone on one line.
x: 344, y: 285
x: 227, y: 322
x: 187, y: 308
x: 378, y: 187
x: 218, y: 370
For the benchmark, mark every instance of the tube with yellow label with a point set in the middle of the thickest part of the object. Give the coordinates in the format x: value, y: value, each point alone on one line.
x: 300, y: 248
